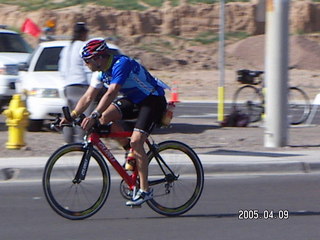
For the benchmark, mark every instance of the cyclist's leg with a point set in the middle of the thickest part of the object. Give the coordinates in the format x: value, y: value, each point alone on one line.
x: 137, y: 140
x: 113, y: 114
x: 151, y: 111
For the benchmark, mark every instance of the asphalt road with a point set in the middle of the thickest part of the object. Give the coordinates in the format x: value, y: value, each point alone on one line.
x: 208, y: 110
x: 25, y: 213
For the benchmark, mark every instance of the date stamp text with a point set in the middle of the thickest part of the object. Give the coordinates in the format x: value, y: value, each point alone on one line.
x: 254, y: 214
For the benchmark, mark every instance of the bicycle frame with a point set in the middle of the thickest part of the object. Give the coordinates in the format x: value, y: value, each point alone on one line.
x: 94, y: 139
x: 130, y: 179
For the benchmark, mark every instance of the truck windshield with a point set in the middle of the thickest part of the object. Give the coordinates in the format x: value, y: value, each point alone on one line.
x: 11, y: 42
x: 48, y: 60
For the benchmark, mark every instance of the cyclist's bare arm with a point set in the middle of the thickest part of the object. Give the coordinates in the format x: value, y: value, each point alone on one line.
x: 108, y: 97
x: 103, y: 105
x: 86, y: 99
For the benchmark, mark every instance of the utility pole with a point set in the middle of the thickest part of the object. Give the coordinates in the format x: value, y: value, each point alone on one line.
x: 276, y: 76
x: 221, y: 89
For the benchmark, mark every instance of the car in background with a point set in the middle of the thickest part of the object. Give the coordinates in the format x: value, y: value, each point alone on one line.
x: 13, y: 50
x: 42, y: 84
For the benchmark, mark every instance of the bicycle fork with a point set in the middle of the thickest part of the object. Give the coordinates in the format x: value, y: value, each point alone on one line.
x: 84, y: 164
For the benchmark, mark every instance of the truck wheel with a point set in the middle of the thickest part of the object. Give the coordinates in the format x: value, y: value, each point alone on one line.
x: 35, y: 125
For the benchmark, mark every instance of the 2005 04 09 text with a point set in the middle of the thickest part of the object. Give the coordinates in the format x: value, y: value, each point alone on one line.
x: 253, y: 214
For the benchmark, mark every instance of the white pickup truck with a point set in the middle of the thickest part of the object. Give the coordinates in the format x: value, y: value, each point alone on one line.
x: 13, y: 50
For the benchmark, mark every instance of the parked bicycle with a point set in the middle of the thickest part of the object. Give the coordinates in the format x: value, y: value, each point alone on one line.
x: 250, y: 99
x: 76, y: 178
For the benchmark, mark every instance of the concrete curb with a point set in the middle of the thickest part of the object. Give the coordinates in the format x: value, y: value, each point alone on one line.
x: 222, y: 162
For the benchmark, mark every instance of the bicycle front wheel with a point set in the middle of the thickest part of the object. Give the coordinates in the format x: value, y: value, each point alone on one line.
x: 299, y: 107
x: 177, y: 178
x: 73, y: 199
x: 249, y: 100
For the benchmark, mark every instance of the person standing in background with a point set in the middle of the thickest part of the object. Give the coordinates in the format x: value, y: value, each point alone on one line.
x: 75, y: 77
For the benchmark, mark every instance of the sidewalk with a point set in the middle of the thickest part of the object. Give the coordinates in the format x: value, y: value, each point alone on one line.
x: 221, y: 150
x: 221, y: 162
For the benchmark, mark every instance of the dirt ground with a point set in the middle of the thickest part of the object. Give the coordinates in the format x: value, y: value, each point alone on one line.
x: 203, y: 85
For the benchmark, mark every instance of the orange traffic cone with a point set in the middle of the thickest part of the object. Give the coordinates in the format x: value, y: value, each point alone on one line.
x: 174, y: 94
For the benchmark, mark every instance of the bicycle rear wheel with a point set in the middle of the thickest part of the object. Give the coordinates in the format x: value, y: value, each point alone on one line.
x: 249, y: 100
x: 299, y: 106
x: 177, y: 178
x: 72, y: 199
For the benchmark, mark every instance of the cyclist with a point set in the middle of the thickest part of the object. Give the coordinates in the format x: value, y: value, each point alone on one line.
x: 143, y: 98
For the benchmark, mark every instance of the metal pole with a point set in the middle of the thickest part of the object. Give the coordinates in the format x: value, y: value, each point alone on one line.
x: 276, y: 122
x: 221, y: 89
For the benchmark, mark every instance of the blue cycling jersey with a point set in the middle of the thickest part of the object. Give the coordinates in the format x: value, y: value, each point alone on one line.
x: 136, y: 82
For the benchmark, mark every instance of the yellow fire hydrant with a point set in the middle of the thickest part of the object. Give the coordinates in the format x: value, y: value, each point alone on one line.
x: 17, y: 121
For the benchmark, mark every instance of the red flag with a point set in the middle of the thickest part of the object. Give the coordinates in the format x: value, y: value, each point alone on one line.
x: 31, y: 28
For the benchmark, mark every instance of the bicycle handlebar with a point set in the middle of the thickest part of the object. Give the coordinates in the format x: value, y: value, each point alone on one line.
x: 76, y: 122
x: 255, y: 73
x: 72, y: 122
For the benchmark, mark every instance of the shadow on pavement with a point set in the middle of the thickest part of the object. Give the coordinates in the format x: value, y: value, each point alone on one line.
x: 173, y: 128
x: 306, y: 145
x: 254, y: 154
x: 3, y: 127
x: 185, y: 128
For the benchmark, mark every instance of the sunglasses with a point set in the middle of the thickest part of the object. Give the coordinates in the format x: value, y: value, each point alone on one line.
x: 88, y: 60
x: 92, y: 59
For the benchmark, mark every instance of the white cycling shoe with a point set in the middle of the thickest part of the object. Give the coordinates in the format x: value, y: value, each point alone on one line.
x: 140, y: 198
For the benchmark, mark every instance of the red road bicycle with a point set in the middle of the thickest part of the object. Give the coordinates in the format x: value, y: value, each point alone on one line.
x: 76, y: 178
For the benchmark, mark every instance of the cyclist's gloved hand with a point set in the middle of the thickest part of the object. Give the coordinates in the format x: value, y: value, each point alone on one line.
x: 63, y: 121
x: 88, y: 123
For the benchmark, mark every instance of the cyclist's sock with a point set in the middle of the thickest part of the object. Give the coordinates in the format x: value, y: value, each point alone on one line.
x: 127, y: 146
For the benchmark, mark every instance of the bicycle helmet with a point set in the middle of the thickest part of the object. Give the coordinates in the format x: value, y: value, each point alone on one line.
x: 94, y: 47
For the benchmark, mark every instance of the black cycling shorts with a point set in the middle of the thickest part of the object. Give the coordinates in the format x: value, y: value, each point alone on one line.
x: 148, y: 113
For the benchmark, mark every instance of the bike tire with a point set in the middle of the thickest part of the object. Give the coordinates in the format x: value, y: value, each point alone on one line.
x: 249, y: 100
x: 71, y: 200
x: 299, y: 106
x: 173, y: 197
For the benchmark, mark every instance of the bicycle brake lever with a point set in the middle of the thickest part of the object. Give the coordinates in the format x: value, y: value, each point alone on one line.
x: 55, y: 125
